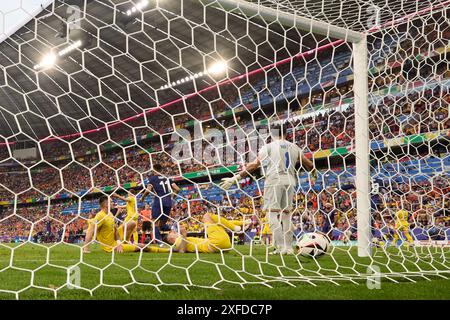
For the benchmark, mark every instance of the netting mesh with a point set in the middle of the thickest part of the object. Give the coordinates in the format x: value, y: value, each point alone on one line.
x: 94, y: 96
x: 355, y: 15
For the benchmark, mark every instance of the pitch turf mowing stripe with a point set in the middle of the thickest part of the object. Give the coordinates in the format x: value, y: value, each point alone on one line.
x: 234, y: 269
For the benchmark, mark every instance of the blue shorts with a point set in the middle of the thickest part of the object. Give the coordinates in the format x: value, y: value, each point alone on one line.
x: 161, y: 215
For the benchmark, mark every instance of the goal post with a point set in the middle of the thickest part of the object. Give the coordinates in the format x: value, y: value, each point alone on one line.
x: 362, y: 143
x: 360, y: 90
x: 289, y: 19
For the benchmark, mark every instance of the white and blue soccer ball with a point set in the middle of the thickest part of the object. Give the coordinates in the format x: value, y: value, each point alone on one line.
x: 313, y: 245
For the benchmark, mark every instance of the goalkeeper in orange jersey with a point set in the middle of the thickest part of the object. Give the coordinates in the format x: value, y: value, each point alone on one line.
x: 103, y: 228
x: 216, y: 238
x: 402, y: 224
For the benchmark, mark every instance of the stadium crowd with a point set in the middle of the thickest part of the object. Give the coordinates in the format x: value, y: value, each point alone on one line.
x: 390, y: 117
x: 330, y: 210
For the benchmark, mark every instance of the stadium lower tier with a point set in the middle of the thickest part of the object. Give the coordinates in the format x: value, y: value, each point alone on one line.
x: 421, y: 187
x: 330, y: 133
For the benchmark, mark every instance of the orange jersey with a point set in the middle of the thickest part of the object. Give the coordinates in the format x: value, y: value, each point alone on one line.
x: 146, y: 215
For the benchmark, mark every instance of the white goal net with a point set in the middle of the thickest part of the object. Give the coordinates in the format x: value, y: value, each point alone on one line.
x: 101, y: 99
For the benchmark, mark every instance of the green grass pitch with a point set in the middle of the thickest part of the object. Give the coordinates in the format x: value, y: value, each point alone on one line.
x: 160, y: 276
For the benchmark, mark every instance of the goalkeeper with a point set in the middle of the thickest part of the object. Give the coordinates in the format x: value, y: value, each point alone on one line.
x: 278, y: 160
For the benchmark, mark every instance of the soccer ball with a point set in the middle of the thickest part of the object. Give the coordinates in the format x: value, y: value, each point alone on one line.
x: 313, y: 245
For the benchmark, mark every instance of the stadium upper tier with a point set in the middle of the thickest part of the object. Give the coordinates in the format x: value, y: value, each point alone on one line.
x: 324, y: 124
x: 324, y: 134
x: 309, y: 77
x: 329, y: 207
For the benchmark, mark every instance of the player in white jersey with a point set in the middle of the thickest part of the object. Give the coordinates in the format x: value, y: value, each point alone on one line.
x: 278, y: 160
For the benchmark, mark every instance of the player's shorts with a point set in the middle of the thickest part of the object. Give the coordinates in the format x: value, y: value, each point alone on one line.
x: 161, y: 215
x: 218, y: 237
x: 266, y: 231
x: 401, y: 225
x: 126, y: 248
x: 278, y: 197
x: 134, y: 218
x: 146, y: 226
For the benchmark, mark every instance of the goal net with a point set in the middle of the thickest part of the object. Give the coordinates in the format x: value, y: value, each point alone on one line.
x: 100, y: 98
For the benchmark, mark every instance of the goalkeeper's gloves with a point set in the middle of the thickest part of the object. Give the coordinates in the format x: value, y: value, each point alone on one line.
x: 228, y: 182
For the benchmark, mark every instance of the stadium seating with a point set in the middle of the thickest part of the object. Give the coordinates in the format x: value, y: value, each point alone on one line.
x: 302, y: 80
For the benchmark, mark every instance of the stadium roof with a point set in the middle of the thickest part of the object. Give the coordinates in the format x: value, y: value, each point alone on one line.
x: 124, y: 59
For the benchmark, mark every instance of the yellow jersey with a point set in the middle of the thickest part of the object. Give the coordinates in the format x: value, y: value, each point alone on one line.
x: 131, y: 209
x: 401, y: 218
x: 266, y: 228
x: 105, y: 230
x: 216, y: 240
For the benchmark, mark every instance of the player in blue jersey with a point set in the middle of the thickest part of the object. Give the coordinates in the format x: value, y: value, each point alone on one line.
x: 163, y: 189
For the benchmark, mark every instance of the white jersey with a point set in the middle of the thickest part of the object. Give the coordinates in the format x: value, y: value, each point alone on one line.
x: 278, y: 160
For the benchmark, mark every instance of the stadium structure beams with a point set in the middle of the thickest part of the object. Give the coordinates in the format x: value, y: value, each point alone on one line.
x: 290, y: 20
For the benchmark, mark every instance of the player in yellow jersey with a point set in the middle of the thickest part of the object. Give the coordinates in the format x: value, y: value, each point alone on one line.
x: 401, y: 225
x: 216, y: 238
x: 266, y: 233
x: 103, y: 228
x: 128, y: 228
x: 245, y: 210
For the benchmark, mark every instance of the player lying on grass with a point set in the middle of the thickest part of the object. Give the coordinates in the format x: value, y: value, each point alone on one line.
x: 103, y: 227
x: 216, y: 239
x: 278, y: 160
x: 128, y: 227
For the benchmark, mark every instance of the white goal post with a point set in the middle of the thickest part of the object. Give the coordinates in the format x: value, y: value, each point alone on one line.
x: 360, y: 89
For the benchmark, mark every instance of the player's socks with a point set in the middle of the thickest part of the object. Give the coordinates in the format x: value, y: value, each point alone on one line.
x: 154, y: 249
x: 275, y: 226
x: 288, y: 235
x: 409, y: 238
x: 157, y: 234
